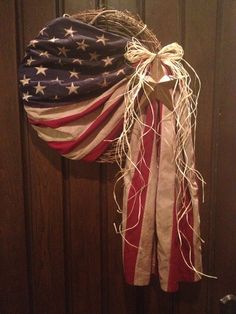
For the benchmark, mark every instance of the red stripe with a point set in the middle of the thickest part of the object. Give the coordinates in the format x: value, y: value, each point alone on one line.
x: 133, y: 235
x: 178, y: 270
x: 64, y: 147
x: 101, y: 147
x: 62, y: 121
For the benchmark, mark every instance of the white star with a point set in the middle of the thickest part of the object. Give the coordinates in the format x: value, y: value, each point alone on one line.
x: 41, y: 70
x: 29, y: 61
x: 63, y: 51
x: 72, y: 89
x: 25, y: 80
x: 93, y: 56
x: 101, y: 39
x: 74, y: 74
x: 26, y: 96
x: 82, y: 45
x: 57, y: 80
x: 69, y: 32
x: 107, y: 61
x: 39, y: 88
x: 53, y: 39
x: 77, y: 61
x: 121, y: 71
x: 44, y: 53
x: 33, y: 42
x: 42, y: 30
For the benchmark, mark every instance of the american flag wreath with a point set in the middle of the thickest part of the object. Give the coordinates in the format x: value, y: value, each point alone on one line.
x: 98, y: 86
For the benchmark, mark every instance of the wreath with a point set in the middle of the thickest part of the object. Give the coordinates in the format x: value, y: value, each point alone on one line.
x: 98, y: 86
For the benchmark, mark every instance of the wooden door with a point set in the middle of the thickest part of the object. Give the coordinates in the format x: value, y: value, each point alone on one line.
x: 59, y: 252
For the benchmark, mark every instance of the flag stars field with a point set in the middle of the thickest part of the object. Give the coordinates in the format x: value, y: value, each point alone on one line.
x: 64, y: 63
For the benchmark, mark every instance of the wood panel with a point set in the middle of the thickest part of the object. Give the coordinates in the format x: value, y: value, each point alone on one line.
x: 59, y: 250
x: 72, y: 6
x: 44, y: 195
x: 14, y: 294
x: 130, y: 5
x: 199, y: 15
x: 225, y: 218
x: 165, y: 19
x: 85, y: 237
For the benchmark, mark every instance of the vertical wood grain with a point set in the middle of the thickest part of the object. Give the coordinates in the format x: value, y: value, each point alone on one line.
x: 130, y: 5
x: 72, y: 6
x: 85, y: 242
x: 14, y: 297
x: 199, y: 44
x: 164, y: 18
x: 225, y: 101
x: 45, y: 196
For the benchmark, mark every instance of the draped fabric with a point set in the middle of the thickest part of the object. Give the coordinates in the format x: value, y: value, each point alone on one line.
x: 73, y: 82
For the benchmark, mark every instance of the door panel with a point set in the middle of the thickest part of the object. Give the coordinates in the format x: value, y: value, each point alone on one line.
x: 59, y: 250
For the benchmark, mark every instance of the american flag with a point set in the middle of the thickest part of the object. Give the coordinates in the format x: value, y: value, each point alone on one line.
x: 72, y: 81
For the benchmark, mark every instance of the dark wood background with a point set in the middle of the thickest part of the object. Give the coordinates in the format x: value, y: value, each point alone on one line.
x: 58, y: 249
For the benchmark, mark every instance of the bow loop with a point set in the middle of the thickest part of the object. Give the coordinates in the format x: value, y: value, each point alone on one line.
x: 172, y: 52
x: 149, y: 72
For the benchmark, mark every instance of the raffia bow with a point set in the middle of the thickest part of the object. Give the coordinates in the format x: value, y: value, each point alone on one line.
x: 155, y: 84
